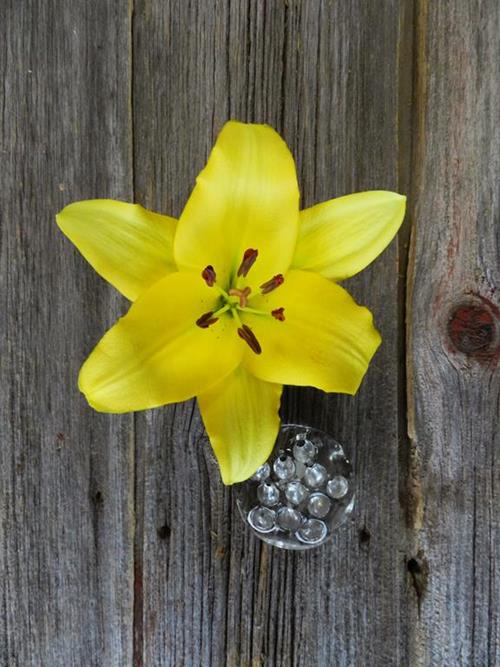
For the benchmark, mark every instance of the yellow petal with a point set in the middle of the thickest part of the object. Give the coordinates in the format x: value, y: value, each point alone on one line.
x: 340, y: 237
x: 241, y: 417
x: 157, y: 354
x: 246, y: 197
x: 326, y: 340
x: 127, y: 245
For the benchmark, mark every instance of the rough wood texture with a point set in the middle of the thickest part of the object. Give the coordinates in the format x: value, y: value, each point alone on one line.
x: 226, y: 598
x: 454, y: 334
x: 119, y: 545
x: 66, y: 515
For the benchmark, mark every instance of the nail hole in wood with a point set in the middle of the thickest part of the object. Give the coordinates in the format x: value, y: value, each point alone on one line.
x: 364, y: 536
x: 418, y: 569
x: 163, y: 532
x: 413, y: 566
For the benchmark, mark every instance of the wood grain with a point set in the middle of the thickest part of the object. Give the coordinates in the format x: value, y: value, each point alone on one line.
x: 118, y: 543
x: 65, y: 472
x: 211, y: 594
x: 454, y: 334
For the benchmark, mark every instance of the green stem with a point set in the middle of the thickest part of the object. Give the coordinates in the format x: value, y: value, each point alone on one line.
x: 253, y: 310
x: 221, y: 291
x: 221, y: 310
x: 236, y: 316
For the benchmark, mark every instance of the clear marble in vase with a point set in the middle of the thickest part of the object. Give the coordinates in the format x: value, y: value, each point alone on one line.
x: 302, y: 494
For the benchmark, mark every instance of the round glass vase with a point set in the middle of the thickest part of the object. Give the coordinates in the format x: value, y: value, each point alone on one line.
x: 302, y: 494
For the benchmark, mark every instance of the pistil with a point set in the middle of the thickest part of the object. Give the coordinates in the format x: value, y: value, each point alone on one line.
x: 236, y: 300
x: 242, y: 295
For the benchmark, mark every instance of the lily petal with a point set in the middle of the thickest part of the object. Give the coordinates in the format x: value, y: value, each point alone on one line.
x: 325, y: 339
x: 241, y: 417
x: 127, y: 245
x: 245, y: 198
x: 340, y: 237
x: 157, y: 354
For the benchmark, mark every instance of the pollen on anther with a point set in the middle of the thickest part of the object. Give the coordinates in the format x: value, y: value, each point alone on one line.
x: 248, y: 336
x: 278, y: 314
x: 206, y: 320
x: 249, y: 257
x: 272, y: 284
x: 209, y: 276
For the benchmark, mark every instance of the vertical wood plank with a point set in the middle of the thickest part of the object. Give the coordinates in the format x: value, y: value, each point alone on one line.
x: 326, y: 75
x: 454, y: 335
x: 65, y: 472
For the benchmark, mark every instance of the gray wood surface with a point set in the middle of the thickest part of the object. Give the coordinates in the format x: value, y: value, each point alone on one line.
x: 454, y: 334
x: 118, y: 543
x: 66, y: 473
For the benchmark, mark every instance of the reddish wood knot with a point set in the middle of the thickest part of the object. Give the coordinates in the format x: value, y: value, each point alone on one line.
x: 472, y: 330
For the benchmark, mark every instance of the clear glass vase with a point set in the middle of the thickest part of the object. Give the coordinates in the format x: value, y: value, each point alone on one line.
x: 302, y: 493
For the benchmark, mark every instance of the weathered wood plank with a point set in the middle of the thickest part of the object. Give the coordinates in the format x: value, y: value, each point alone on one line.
x: 326, y: 75
x: 453, y: 354
x: 65, y: 472
x: 333, y: 77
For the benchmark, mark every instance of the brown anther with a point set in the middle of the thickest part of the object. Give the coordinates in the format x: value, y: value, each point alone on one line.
x: 242, y: 295
x: 275, y: 282
x: 208, y: 275
x: 249, y: 257
x: 249, y: 337
x: 278, y: 314
x: 206, y: 320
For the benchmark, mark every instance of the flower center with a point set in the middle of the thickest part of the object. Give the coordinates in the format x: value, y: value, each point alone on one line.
x: 235, y: 300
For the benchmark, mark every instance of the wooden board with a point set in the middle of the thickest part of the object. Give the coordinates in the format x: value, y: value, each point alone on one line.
x: 454, y: 335
x: 211, y: 594
x: 66, y: 486
x: 118, y: 543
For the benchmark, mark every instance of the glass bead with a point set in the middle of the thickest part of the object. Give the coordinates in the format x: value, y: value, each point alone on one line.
x: 262, y: 519
x: 303, y: 523
x: 289, y: 518
x: 337, y: 487
x: 262, y: 473
x: 284, y: 468
x: 313, y: 531
x: 295, y: 492
x: 300, y: 469
x: 315, y: 475
x: 318, y: 505
x: 268, y: 494
x: 304, y: 450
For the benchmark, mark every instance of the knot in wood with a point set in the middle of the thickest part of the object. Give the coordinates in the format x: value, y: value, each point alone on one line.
x: 471, y: 329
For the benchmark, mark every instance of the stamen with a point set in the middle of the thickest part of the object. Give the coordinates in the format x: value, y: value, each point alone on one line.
x: 247, y: 262
x: 249, y: 337
x: 275, y: 282
x: 279, y: 314
x: 209, y: 276
x: 242, y: 294
x: 206, y: 320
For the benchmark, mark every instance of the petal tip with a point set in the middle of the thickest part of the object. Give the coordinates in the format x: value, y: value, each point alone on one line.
x: 61, y: 218
x: 86, y: 388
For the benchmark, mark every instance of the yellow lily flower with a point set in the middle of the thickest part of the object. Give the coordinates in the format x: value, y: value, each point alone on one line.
x: 236, y: 298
